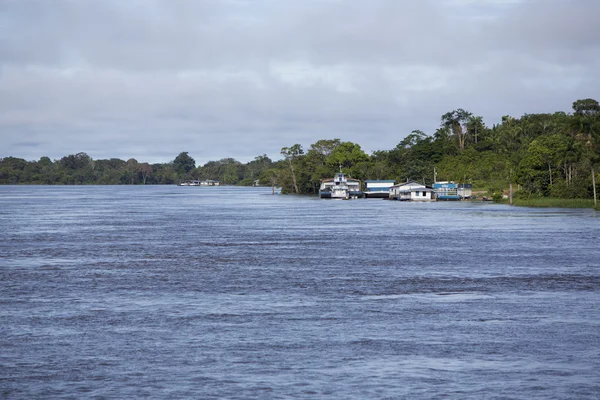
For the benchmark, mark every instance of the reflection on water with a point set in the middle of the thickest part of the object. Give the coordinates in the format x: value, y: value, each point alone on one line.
x: 234, y: 293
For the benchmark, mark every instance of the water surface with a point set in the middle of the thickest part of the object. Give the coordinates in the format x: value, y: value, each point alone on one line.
x: 223, y: 292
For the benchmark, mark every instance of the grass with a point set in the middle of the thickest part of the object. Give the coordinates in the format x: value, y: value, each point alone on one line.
x: 554, y: 202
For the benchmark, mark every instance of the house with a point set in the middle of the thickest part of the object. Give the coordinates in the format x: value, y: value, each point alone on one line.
x: 210, y: 182
x: 377, y: 188
x: 453, y: 191
x: 411, y: 191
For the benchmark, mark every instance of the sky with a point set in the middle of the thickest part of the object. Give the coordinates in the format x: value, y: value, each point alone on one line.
x: 148, y: 79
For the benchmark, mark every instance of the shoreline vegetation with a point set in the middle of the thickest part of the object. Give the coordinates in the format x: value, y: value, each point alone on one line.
x: 550, y: 159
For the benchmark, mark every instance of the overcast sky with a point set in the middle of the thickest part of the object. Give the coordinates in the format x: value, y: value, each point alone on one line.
x: 238, y: 78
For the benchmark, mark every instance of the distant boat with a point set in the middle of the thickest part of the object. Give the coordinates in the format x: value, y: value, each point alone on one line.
x: 189, y: 183
x: 340, y: 187
x: 207, y: 182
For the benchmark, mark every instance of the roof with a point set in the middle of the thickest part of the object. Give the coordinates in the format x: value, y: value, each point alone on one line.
x: 409, y: 183
x: 423, y: 189
x: 379, y: 181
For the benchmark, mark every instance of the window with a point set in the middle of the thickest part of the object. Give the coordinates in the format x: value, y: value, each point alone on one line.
x: 424, y: 195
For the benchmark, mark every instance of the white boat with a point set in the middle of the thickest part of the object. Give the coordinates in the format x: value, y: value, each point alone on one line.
x: 340, y: 187
x: 189, y: 183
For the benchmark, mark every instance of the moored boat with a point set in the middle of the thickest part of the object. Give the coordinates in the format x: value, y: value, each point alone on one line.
x: 340, y: 187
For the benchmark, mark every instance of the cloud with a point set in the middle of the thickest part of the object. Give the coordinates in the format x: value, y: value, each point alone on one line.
x: 233, y: 78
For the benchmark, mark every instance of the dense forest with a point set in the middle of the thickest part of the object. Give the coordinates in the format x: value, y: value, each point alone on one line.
x: 544, y: 155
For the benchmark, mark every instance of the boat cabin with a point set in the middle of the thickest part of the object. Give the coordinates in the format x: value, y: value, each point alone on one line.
x: 340, y: 187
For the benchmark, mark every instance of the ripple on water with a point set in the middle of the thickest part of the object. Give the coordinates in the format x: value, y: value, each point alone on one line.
x: 228, y: 292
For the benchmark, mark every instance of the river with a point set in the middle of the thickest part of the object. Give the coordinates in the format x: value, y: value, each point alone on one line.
x: 226, y: 292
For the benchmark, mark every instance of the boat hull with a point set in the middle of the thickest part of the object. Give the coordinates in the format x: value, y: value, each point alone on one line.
x: 376, y: 195
x: 341, y: 195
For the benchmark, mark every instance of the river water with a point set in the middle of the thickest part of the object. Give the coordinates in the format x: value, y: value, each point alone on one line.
x: 224, y: 292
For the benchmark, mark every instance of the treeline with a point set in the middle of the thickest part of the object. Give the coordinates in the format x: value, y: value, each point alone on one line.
x: 543, y: 155
x: 81, y: 169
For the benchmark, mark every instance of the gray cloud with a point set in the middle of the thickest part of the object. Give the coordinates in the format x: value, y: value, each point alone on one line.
x: 226, y: 78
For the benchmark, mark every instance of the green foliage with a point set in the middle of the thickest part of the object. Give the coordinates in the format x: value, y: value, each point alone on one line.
x: 183, y: 165
x: 586, y: 107
x: 456, y: 121
x: 543, y: 155
x: 346, y: 155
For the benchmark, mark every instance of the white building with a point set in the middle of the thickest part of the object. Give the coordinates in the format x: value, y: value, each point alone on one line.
x: 411, y: 191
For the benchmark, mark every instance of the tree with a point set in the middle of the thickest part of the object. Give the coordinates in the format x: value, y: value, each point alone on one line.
x: 183, y: 164
x: 291, y: 154
x: 546, y: 151
x: 145, y: 169
x: 324, y: 147
x: 455, y: 120
x: 256, y: 167
x: 587, y: 114
x: 475, y: 127
x: 271, y: 176
x: 347, y: 154
x: 586, y: 107
x: 413, y: 139
x: 131, y: 168
x: 77, y: 161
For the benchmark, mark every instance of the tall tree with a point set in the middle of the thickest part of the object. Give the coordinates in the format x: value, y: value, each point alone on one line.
x: 291, y: 154
x: 586, y: 107
x: 456, y: 120
x: 145, y: 169
x: 475, y: 127
x: 183, y: 164
x: 132, y: 169
x: 587, y: 111
x: 325, y: 147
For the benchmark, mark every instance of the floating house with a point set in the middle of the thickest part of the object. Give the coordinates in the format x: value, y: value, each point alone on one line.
x: 453, y: 191
x: 210, y: 182
x: 378, y: 188
x: 340, y: 187
x: 411, y: 191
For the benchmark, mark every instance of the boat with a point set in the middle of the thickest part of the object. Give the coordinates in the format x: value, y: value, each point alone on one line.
x: 378, y: 188
x: 340, y: 187
x: 189, y: 183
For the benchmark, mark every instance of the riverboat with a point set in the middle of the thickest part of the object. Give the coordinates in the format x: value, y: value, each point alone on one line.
x: 377, y: 188
x: 340, y: 187
x: 189, y: 183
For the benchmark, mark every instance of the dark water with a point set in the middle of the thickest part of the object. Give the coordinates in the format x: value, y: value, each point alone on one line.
x: 188, y: 292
